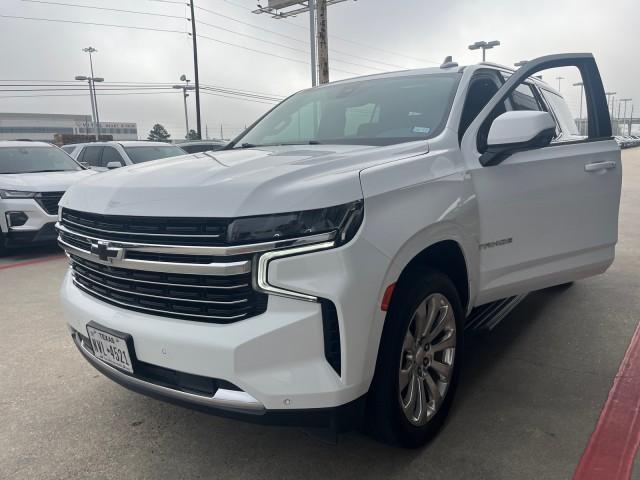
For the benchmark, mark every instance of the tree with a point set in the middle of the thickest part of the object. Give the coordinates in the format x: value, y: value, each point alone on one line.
x: 193, y: 135
x: 158, y: 134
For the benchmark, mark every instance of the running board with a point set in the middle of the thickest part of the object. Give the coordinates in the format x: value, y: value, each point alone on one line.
x: 487, y: 316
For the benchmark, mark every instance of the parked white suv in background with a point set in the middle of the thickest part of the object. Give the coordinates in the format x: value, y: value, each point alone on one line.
x: 320, y: 271
x: 102, y: 156
x: 33, y: 178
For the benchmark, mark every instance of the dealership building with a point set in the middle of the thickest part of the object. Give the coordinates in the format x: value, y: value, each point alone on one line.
x: 44, y: 126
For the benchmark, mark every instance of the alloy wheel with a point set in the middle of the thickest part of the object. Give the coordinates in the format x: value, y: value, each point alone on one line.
x: 426, y: 362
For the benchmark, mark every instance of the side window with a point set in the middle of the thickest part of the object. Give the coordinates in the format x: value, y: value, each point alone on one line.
x: 481, y: 89
x: 92, y: 156
x: 562, y: 114
x: 110, y: 154
x: 524, y: 98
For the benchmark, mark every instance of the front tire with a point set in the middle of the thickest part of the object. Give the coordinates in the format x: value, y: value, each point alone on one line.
x: 419, y: 362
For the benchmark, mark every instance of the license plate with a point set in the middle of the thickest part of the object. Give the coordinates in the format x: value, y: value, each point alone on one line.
x: 110, y: 349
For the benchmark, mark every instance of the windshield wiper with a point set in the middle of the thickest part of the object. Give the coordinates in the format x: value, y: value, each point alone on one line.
x: 45, y: 171
x: 248, y: 145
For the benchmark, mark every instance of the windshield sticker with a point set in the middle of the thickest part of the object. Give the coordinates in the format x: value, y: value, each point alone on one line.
x: 421, y: 129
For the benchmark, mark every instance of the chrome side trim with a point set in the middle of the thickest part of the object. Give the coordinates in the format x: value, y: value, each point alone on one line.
x: 153, y: 310
x: 224, y: 399
x: 212, y: 302
x: 222, y: 251
x: 222, y: 269
x: 262, y: 277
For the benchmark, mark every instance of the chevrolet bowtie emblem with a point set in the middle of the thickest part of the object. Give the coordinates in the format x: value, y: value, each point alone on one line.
x: 104, y: 251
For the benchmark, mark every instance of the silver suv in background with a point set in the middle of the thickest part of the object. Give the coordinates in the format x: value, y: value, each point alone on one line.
x: 103, y: 156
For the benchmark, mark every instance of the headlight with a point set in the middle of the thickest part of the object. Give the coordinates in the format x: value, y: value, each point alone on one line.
x: 343, y: 219
x: 6, y: 194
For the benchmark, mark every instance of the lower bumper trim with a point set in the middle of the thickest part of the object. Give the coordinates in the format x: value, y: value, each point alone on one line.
x: 237, y: 405
x: 222, y: 399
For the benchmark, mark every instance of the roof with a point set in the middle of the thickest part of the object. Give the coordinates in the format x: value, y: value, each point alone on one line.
x: 127, y: 143
x: 22, y: 143
x: 203, y: 142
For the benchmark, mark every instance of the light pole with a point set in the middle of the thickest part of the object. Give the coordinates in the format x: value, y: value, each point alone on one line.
x: 559, y: 80
x: 184, y: 89
x: 610, y: 101
x: 484, y: 46
x: 581, y: 85
x: 94, y: 106
x: 312, y: 42
x: 624, y: 116
x: 90, y: 50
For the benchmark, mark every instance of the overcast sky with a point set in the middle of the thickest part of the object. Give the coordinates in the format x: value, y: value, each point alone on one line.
x: 418, y: 31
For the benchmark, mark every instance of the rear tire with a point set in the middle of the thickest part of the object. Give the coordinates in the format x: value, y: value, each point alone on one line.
x: 419, y: 362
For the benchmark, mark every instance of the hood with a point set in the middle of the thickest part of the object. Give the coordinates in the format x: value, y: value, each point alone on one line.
x: 43, y: 182
x: 233, y: 183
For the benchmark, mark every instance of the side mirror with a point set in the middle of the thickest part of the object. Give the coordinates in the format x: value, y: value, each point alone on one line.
x: 112, y: 165
x: 517, y: 131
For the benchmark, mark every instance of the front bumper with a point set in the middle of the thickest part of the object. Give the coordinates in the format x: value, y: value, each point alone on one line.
x: 230, y: 403
x: 39, y: 228
x: 278, y: 358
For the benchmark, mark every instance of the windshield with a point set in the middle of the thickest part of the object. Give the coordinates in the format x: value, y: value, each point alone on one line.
x: 380, y: 111
x: 147, y: 153
x: 35, y: 159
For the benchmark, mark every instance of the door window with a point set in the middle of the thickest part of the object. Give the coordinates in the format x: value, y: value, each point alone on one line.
x: 109, y: 155
x: 482, y: 88
x: 523, y: 98
x: 93, y: 156
x: 562, y: 113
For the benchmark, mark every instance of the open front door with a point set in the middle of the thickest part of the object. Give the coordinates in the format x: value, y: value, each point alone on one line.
x: 549, y: 214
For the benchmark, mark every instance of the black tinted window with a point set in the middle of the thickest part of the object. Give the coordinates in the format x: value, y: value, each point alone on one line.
x: 92, y: 156
x: 109, y: 155
x: 523, y: 98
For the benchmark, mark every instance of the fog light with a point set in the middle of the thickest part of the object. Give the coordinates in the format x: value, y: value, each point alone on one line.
x: 16, y: 219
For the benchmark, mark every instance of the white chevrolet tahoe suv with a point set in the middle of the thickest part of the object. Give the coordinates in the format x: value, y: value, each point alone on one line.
x: 321, y: 270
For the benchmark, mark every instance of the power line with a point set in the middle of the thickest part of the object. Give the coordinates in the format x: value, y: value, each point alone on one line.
x: 282, y: 46
x: 93, y: 7
x: 77, y: 22
x: 289, y: 37
x: 95, y: 24
x: 389, y: 52
x: 136, y: 12
x: 81, y: 94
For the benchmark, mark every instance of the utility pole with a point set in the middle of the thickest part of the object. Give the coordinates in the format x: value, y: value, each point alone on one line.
x: 618, y: 120
x: 206, y: 130
x: 221, y: 133
x: 323, y: 42
x: 318, y: 38
x: 581, y: 85
x: 195, y: 67
x: 184, y: 89
x: 90, y: 50
x: 312, y: 42
x: 631, y: 119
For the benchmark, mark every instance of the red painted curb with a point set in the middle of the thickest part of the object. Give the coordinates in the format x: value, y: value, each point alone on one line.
x: 31, y: 262
x: 614, y: 442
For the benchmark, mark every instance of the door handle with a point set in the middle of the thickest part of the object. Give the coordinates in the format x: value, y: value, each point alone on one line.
x: 597, y: 166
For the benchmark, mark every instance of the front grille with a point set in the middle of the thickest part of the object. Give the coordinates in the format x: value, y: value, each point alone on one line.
x: 150, y: 230
x: 206, y: 298
x: 49, y: 201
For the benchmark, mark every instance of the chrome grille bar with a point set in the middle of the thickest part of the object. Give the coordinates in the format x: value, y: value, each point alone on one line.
x: 156, y: 311
x: 211, y: 302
